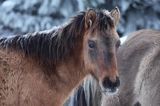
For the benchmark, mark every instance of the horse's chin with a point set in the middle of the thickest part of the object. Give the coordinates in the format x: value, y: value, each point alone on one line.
x: 110, y: 92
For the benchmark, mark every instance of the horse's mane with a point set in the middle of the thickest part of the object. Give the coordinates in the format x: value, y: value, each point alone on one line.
x: 51, y: 44
x: 55, y: 44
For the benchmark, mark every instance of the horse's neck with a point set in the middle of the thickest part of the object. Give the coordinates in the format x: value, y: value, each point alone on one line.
x: 70, y: 74
x: 66, y: 73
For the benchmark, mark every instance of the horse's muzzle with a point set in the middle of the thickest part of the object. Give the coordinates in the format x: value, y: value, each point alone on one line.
x: 110, y: 86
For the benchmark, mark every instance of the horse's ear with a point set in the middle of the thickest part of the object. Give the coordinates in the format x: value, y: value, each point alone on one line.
x: 115, y: 13
x: 90, y: 17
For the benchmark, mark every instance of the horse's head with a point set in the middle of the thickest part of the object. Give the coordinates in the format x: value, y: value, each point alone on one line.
x: 100, y: 46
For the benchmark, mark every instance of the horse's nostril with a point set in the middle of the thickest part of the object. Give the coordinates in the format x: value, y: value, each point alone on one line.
x: 108, y: 84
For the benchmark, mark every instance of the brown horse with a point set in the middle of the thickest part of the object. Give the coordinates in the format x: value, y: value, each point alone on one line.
x: 42, y: 68
x: 139, y: 68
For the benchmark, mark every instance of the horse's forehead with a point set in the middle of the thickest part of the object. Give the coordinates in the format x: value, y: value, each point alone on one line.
x: 96, y: 31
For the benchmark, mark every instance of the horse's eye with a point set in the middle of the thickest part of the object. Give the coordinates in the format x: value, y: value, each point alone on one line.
x: 118, y: 44
x: 91, y: 44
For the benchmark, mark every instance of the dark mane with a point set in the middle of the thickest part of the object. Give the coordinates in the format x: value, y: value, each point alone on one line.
x: 55, y: 44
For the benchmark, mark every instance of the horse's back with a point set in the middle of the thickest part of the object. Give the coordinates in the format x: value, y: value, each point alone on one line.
x: 139, y: 67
